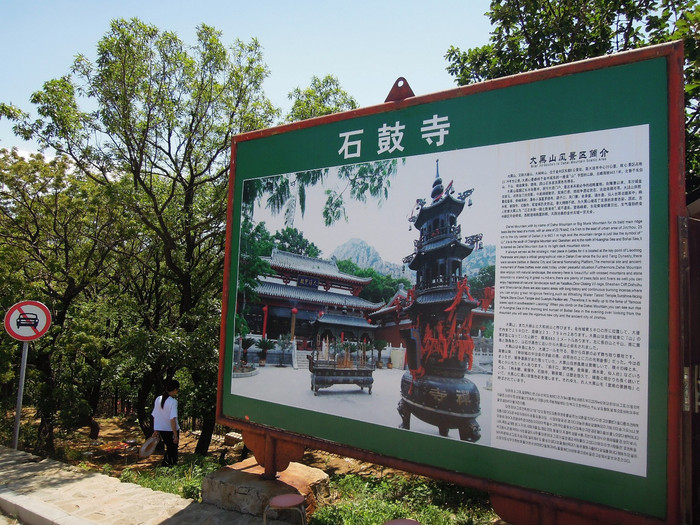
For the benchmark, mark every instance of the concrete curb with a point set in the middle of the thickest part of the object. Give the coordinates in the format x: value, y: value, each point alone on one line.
x: 35, y: 512
x: 47, y: 492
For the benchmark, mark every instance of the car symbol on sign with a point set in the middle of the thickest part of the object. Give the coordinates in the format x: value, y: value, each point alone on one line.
x: 27, y: 319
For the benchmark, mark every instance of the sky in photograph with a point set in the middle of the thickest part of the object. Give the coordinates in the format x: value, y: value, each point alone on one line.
x: 384, y: 224
x: 366, y: 44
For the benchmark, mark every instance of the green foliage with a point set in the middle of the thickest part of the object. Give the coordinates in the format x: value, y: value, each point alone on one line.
x: 380, y: 344
x: 27, y: 433
x: 373, y: 178
x: 368, y: 500
x: 256, y: 242
x: 61, y: 227
x: 323, y: 97
x: 381, y: 289
x: 487, y: 329
x: 293, y: 241
x: 247, y: 342
x: 486, y: 277
x: 241, y: 325
x: 264, y: 345
x: 284, y: 341
x: 534, y: 34
x: 688, y: 29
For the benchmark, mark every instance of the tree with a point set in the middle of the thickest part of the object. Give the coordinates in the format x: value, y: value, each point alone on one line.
x: 164, y: 117
x: 323, y: 97
x: 534, y: 34
x: 64, y: 227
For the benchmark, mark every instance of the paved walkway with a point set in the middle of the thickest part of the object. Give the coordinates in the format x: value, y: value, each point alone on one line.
x: 46, y: 492
x: 290, y: 387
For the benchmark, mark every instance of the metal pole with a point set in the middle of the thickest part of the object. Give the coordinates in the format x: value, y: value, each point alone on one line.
x: 20, y: 394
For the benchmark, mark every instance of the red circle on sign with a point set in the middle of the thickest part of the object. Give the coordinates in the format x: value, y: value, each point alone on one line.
x: 27, y: 320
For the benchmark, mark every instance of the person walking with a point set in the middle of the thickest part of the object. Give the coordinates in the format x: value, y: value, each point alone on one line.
x: 165, y: 421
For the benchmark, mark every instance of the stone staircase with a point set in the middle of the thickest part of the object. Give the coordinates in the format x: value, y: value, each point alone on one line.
x: 302, y: 361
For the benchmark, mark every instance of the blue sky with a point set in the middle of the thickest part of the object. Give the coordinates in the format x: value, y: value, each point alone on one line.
x: 366, y: 44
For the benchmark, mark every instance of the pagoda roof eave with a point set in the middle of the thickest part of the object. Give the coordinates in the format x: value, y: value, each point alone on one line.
x: 322, y: 268
x: 445, y: 297
x: 342, y: 320
x: 313, y: 296
x: 426, y: 212
x: 462, y: 251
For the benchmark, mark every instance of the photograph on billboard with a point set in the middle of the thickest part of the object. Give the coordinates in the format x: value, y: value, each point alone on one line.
x: 476, y: 282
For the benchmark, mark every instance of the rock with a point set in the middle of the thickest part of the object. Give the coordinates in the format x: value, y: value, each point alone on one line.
x: 232, y: 438
x: 240, y: 487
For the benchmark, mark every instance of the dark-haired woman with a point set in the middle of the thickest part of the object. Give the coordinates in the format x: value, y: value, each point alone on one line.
x: 165, y: 421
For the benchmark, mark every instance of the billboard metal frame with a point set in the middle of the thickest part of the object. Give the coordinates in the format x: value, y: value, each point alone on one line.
x: 275, y: 447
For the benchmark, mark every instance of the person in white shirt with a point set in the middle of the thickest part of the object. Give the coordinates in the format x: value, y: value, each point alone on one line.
x: 165, y: 421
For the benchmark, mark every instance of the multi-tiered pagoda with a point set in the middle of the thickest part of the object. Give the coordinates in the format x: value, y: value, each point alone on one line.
x: 440, y: 348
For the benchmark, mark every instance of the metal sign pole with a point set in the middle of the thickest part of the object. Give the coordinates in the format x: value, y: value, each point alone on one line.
x: 20, y: 394
x: 25, y: 321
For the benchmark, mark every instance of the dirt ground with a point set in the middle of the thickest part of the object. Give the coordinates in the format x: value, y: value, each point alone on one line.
x: 120, y: 439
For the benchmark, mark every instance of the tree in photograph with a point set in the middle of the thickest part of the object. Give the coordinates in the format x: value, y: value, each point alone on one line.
x: 293, y: 241
x: 485, y: 278
x: 381, y: 289
x: 256, y: 243
x: 534, y: 34
x: 285, y: 193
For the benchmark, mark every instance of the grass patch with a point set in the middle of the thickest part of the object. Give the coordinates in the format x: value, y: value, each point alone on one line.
x: 368, y: 500
x: 184, y: 479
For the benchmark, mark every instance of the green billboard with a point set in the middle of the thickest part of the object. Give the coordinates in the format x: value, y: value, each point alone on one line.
x: 555, y: 376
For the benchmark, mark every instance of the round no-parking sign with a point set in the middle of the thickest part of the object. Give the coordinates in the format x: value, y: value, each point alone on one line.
x: 27, y: 320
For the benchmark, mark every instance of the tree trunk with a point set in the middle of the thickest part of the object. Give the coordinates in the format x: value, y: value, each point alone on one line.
x: 208, y: 423
x: 142, y: 406
x: 46, y: 404
x: 94, y: 428
x: 45, y: 435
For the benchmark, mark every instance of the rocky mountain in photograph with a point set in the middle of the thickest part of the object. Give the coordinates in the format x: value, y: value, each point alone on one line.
x: 366, y: 256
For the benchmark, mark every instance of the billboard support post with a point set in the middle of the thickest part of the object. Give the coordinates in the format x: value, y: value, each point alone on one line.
x: 272, y: 453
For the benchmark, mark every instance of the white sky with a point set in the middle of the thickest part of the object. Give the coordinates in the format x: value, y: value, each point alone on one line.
x: 385, y: 226
x: 367, y: 44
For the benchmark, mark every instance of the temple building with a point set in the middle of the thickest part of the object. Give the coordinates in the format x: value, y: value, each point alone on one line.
x: 312, y: 299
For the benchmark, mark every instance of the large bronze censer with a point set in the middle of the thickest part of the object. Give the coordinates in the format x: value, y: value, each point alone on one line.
x: 439, y: 344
